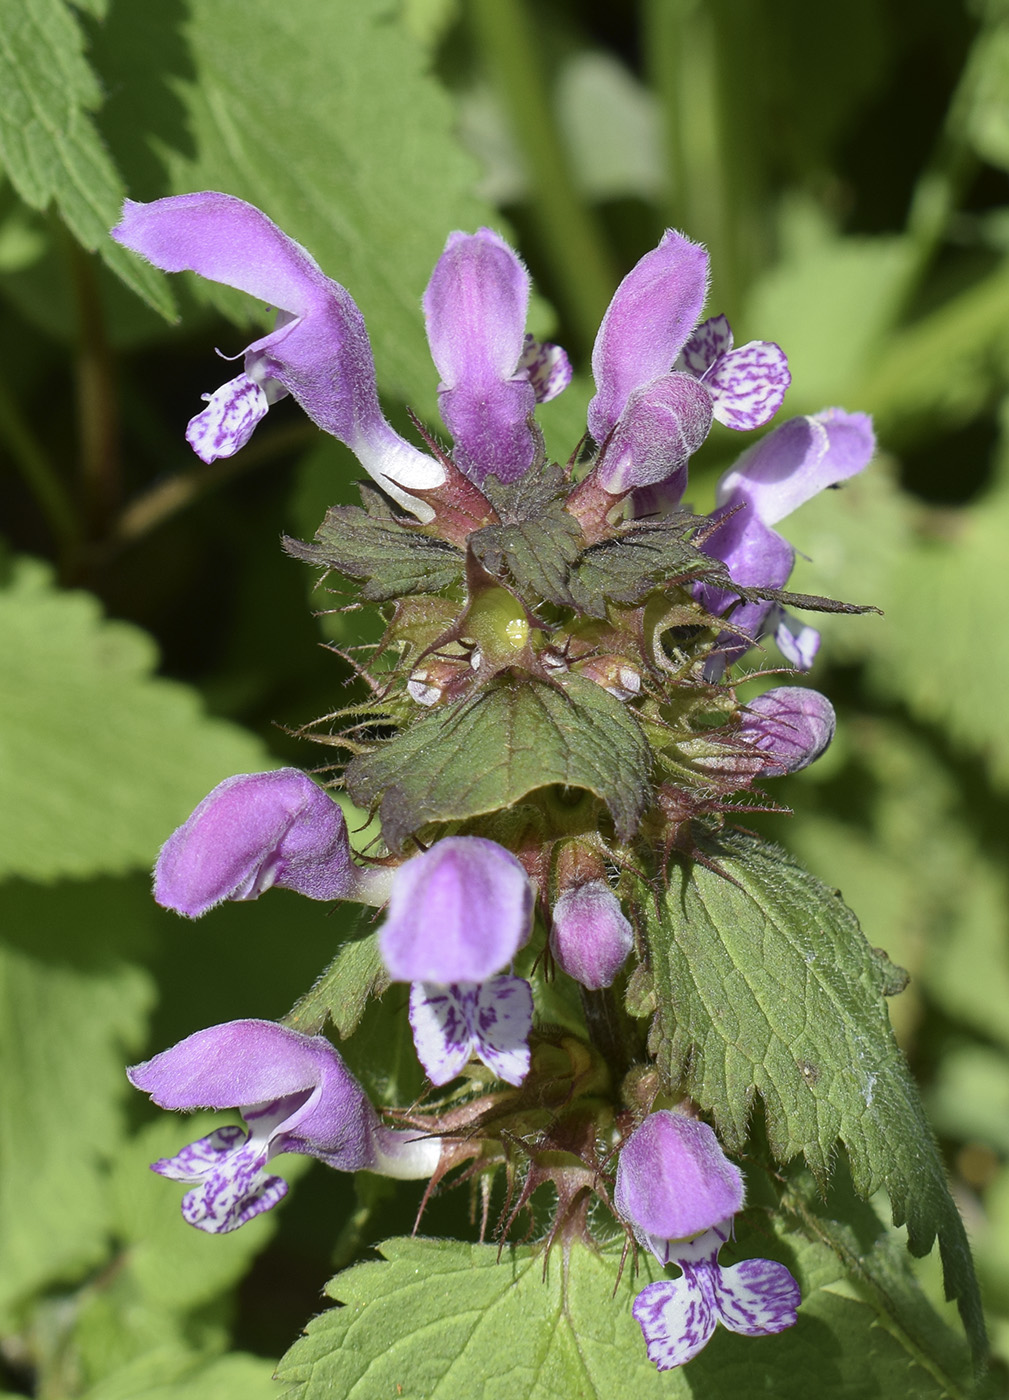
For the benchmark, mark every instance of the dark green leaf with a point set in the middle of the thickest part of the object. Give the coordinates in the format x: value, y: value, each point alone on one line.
x: 389, y: 550
x: 342, y: 992
x: 487, y: 753
x: 642, y: 558
x: 49, y: 147
x: 533, y: 555
x: 767, y: 986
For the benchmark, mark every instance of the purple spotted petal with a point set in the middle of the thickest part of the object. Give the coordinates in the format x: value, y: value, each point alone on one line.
x: 747, y: 386
x: 233, y: 1192
x: 458, y: 912
x: 257, y: 830
x: 646, y: 324
x: 503, y: 1020
x: 663, y: 425
x: 757, y: 1297
x: 677, y: 1318
x: 475, y: 305
x: 548, y: 368
x: 797, y: 460
x: 491, y: 1020
x: 712, y: 338
x: 590, y: 936
x: 194, y: 1161
x: 674, y: 1180
x: 319, y: 349
x: 791, y: 725
x: 797, y: 643
x: 229, y: 419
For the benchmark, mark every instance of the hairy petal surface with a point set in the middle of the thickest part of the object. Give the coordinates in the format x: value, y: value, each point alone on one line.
x: 491, y: 1020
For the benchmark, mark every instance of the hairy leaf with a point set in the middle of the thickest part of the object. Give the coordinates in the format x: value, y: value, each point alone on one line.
x: 343, y: 990
x: 532, y: 555
x: 440, y: 1319
x: 101, y: 759
x: 637, y: 561
x: 389, y: 550
x: 766, y: 986
x: 489, y: 751
x: 49, y: 147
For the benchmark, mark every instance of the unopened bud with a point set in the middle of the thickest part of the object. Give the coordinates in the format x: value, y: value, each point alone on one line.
x: 590, y: 936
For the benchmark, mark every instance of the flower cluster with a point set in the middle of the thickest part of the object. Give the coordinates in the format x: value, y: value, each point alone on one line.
x: 517, y: 578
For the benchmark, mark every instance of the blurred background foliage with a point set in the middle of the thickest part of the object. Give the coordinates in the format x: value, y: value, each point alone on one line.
x: 846, y: 165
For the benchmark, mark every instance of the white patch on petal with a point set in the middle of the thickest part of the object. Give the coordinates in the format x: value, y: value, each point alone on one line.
x: 677, y: 1319
x: 229, y: 419
x: 503, y: 1019
x: 747, y: 386
x: 442, y: 1027
x: 798, y: 644
x: 422, y: 693
x: 757, y: 1297
x: 547, y: 368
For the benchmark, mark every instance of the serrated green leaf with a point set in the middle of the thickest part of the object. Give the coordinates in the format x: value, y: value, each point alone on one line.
x: 488, y: 752
x: 442, y: 1319
x: 342, y: 992
x: 101, y: 759
x: 326, y: 117
x: 389, y: 550
x: 628, y: 567
x: 71, y: 1011
x: 533, y: 556
x: 766, y: 986
x: 49, y: 146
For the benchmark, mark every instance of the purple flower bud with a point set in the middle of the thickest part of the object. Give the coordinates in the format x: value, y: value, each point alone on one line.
x: 256, y: 830
x: 295, y: 1094
x: 318, y: 351
x: 646, y: 324
x: 674, y: 1181
x: 791, y: 725
x: 590, y: 936
x: 492, y: 373
x: 662, y: 426
x: 458, y: 912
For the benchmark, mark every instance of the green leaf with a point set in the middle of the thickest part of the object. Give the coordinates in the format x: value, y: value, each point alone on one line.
x: 49, y: 146
x: 388, y: 549
x: 637, y: 561
x: 71, y: 1011
x: 488, y: 752
x: 171, y: 1373
x: 101, y: 759
x: 343, y: 991
x: 325, y: 116
x: 440, y: 1319
x: 766, y: 986
x: 533, y: 556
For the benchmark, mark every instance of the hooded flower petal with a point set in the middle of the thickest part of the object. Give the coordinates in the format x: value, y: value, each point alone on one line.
x: 798, y: 460
x: 257, y: 830
x: 747, y: 386
x: 491, y: 1020
x: 590, y: 936
x: 791, y: 725
x: 296, y: 1095
x: 756, y: 556
x: 646, y: 324
x: 678, y: 1316
x: 457, y: 913
x: 319, y: 350
x: 674, y: 1180
x: 662, y: 426
x: 475, y: 305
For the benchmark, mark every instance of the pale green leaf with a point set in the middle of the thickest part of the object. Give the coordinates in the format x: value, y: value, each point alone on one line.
x: 101, y: 760
x: 170, y: 1373
x: 766, y: 986
x: 72, y: 1012
x: 487, y: 753
x: 443, y: 1319
x: 342, y: 991
x: 49, y: 146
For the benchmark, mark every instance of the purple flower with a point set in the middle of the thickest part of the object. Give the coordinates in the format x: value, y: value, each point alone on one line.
x: 590, y: 936
x: 256, y: 830
x: 295, y: 1094
x: 790, y: 725
x: 492, y: 373
x: 660, y: 429
x: 679, y: 1192
x: 747, y: 385
x: 771, y: 479
x: 318, y: 351
x: 458, y: 913
x: 678, y: 1316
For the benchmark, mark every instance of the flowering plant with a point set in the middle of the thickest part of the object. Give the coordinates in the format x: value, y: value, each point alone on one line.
x: 604, y: 970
